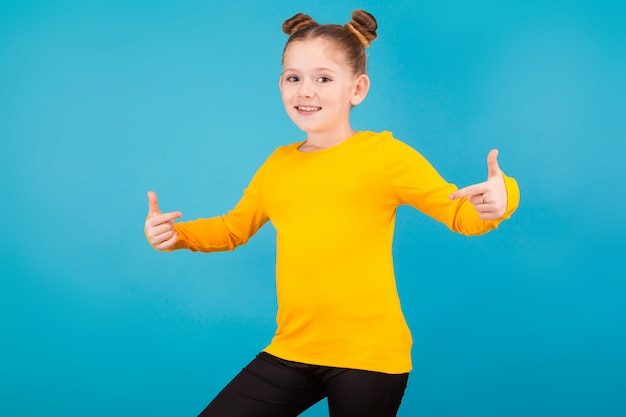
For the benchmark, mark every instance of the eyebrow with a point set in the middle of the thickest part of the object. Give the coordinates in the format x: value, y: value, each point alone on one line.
x: 320, y: 69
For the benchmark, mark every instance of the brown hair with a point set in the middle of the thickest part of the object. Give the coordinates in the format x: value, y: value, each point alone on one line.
x: 351, y: 39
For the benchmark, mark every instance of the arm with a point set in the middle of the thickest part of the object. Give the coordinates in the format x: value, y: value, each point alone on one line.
x: 212, y: 234
x: 418, y: 184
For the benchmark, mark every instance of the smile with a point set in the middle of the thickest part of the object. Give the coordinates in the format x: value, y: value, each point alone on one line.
x: 308, y: 108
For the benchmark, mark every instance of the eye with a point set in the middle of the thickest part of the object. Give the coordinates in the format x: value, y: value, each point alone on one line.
x: 292, y: 79
x: 323, y: 80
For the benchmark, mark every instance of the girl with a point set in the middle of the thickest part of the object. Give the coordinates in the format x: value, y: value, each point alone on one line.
x: 332, y: 199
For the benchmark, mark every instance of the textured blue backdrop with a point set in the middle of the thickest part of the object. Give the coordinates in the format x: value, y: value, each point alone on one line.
x: 101, y: 101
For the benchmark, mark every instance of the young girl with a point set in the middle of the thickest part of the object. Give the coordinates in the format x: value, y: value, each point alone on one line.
x: 332, y: 199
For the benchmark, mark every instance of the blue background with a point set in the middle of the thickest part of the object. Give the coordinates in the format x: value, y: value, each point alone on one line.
x: 102, y: 101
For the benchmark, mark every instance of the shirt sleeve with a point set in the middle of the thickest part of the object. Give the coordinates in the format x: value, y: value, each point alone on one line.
x: 226, y: 232
x: 419, y: 185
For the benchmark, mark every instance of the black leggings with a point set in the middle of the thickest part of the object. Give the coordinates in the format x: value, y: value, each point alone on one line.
x: 273, y: 387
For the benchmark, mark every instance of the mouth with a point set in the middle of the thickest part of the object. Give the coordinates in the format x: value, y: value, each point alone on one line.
x: 308, y: 109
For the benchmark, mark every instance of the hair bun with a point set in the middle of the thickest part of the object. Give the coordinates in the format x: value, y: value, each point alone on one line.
x: 363, y: 25
x: 297, y: 23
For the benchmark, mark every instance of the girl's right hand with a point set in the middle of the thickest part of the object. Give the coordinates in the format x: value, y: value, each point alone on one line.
x: 159, y: 227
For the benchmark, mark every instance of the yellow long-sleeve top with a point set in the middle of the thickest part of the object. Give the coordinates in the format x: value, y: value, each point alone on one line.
x: 334, y: 212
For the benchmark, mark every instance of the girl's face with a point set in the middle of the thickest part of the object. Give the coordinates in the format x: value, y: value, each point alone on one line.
x: 319, y: 88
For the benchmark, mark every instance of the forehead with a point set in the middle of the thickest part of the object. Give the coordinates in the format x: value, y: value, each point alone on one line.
x: 316, y: 50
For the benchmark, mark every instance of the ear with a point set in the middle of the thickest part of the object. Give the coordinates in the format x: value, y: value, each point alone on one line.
x: 280, y: 83
x: 361, y: 87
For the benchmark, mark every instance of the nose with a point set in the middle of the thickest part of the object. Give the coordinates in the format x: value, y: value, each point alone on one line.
x: 304, y: 89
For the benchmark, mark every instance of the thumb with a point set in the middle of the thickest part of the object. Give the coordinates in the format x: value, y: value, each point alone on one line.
x: 153, y: 204
x: 493, y: 169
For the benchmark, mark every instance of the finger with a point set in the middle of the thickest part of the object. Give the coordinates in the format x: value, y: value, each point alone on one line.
x: 493, y: 169
x: 488, y: 215
x: 167, y: 244
x: 478, y: 199
x: 485, y: 211
x: 153, y: 204
x: 159, y: 238
x: 168, y: 217
x: 164, y: 218
x: 470, y: 190
x: 159, y: 230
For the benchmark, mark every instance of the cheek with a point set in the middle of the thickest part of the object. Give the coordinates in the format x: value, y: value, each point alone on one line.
x: 328, y: 97
x: 284, y: 95
x: 286, y: 92
x: 338, y: 100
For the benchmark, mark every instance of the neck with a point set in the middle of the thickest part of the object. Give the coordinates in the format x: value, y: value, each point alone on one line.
x: 316, y: 141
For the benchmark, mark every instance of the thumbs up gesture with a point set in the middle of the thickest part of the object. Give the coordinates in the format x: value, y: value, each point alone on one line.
x: 489, y: 198
x: 159, y: 227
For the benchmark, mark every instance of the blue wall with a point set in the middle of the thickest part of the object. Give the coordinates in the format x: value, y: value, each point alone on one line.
x: 102, y: 101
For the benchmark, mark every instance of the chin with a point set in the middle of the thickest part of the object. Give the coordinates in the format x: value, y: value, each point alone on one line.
x: 305, y: 128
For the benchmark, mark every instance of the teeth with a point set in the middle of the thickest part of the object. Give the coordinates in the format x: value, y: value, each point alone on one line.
x: 305, y: 108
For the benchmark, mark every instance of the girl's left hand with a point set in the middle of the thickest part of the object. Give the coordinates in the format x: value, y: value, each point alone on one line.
x: 489, y: 198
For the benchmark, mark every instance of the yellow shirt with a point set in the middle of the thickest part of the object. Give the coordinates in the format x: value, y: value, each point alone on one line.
x: 334, y: 212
